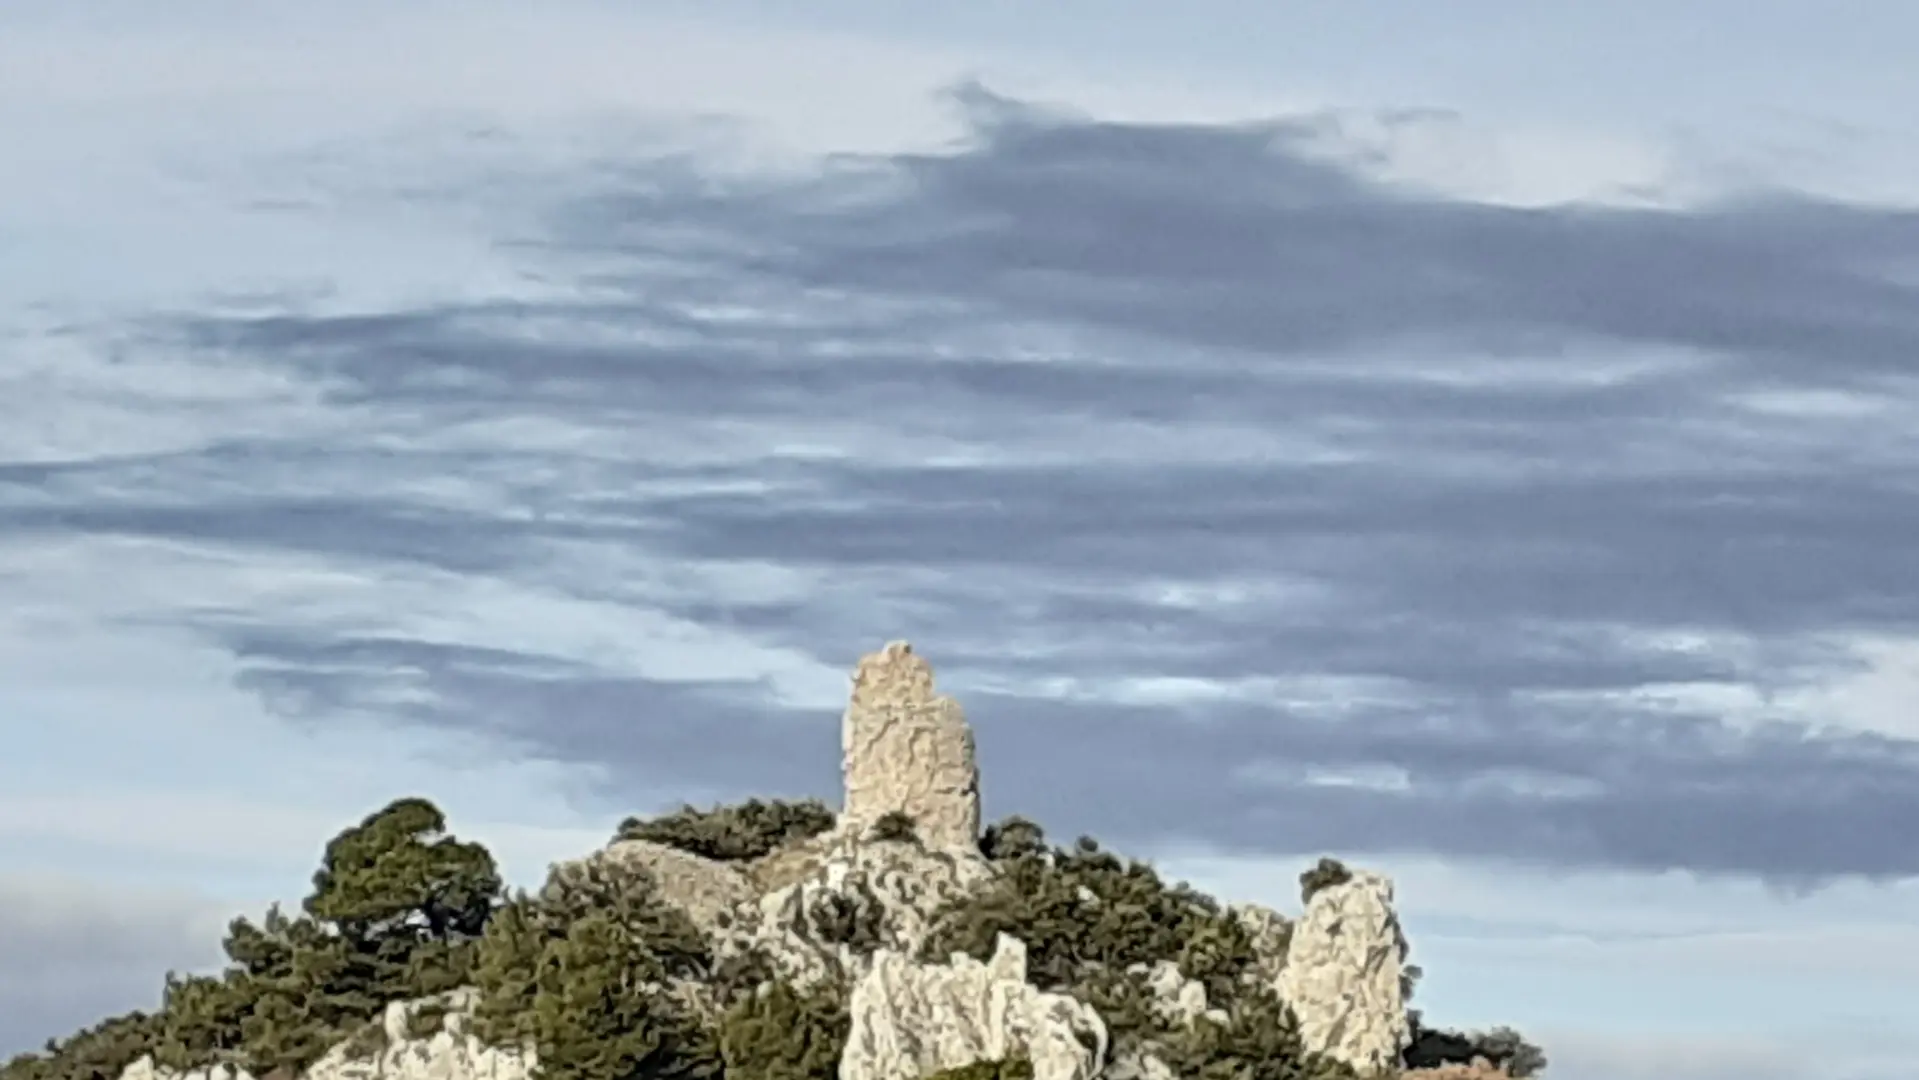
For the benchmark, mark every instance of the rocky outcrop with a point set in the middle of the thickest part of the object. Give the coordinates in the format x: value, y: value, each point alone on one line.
x: 1177, y: 999
x: 399, y: 1050
x: 1179, y: 1002
x: 911, y: 1020
x: 450, y: 1053
x: 707, y: 890
x: 910, y: 750
x: 145, y: 1069
x: 1271, y: 933
x: 1342, y: 974
x: 846, y: 897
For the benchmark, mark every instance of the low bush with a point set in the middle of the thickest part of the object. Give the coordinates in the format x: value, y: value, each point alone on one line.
x: 1502, y: 1047
x: 781, y: 1033
x: 746, y: 830
x: 583, y: 972
x: 1011, y: 1069
x: 101, y: 1052
x: 896, y: 826
x: 1323, y: 875
x: 1083, y: 911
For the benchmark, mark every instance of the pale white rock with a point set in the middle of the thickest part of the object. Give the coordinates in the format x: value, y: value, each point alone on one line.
x: 1342, y: 974
x: 1269, y: 931
x: 451, y: 1053
x: 146, y: 1069
x: 885, y: 892
x: 1176, y: 998
x: 1138, y: 1064
x: 1179, y: 1002
x: 911, y: 1019
x: 908, y: 749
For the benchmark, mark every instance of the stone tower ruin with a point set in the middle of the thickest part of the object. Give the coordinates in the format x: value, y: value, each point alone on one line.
x: 909, y: 749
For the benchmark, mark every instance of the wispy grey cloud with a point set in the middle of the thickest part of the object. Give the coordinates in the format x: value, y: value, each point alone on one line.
x: 1243, y: 498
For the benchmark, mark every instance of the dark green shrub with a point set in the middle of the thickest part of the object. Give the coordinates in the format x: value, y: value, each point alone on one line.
x: 1324, y: 875
x: 854, y: 918
x: 1011, y: 838
x: 1259, y: 1041
x: 896, y: 826
x: 200, y: 1018
x: 100, y: 1052
x: 747, y: 830
x: 582, y: 973
x: 1012, y: 1069
x: 784, y: 1034
x: 1087, y: 916
x: 426, y: 1020
x: 367, y: 1041
x: 1502, y: 1046
x: 1085, y: 911
x: 397, y: 877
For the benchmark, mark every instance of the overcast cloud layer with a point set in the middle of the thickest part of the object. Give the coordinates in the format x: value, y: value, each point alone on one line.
x: 1336, y: 514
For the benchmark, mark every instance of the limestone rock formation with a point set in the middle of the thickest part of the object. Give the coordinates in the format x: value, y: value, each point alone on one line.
x: 706, y: 889
x: 1179, y: 1002
x: 145, y: 1069
x: 843, y: 898
x: 1271, y: 933
x: 908, y: 749
x: 911, y: 1020
x: 450, y: 1053
x: 1342, y: 974
x: 1176, y: 998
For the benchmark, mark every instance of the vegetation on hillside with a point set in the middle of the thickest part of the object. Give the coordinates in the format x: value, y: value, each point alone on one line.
x: 748, y: 830
x: 1087, y: 916
x: 606, y: 980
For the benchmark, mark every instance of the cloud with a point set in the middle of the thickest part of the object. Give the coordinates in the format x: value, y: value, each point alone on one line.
x: 1332, y: 512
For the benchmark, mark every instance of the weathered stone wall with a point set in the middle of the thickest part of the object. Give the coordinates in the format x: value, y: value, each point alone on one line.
x: 909, y: 749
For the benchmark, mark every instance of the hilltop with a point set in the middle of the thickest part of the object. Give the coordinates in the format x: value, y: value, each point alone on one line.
x: 892, y: 939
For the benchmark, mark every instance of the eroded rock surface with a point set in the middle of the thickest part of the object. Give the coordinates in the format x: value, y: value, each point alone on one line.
x: 1271, y: 933
x: 706, y: 889
x: 906, y: 748
x: 449, y: 1053
x: 1342, y: 974
x: 911, y: 1020
x: 846, y: 897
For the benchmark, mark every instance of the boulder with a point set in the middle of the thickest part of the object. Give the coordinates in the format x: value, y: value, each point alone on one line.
x: 911, y: 1020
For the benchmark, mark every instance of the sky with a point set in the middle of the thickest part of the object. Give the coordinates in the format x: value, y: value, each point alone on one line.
x: 1479, y: 440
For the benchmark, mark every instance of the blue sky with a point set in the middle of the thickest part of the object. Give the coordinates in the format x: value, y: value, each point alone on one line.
x: 1475, y: 439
